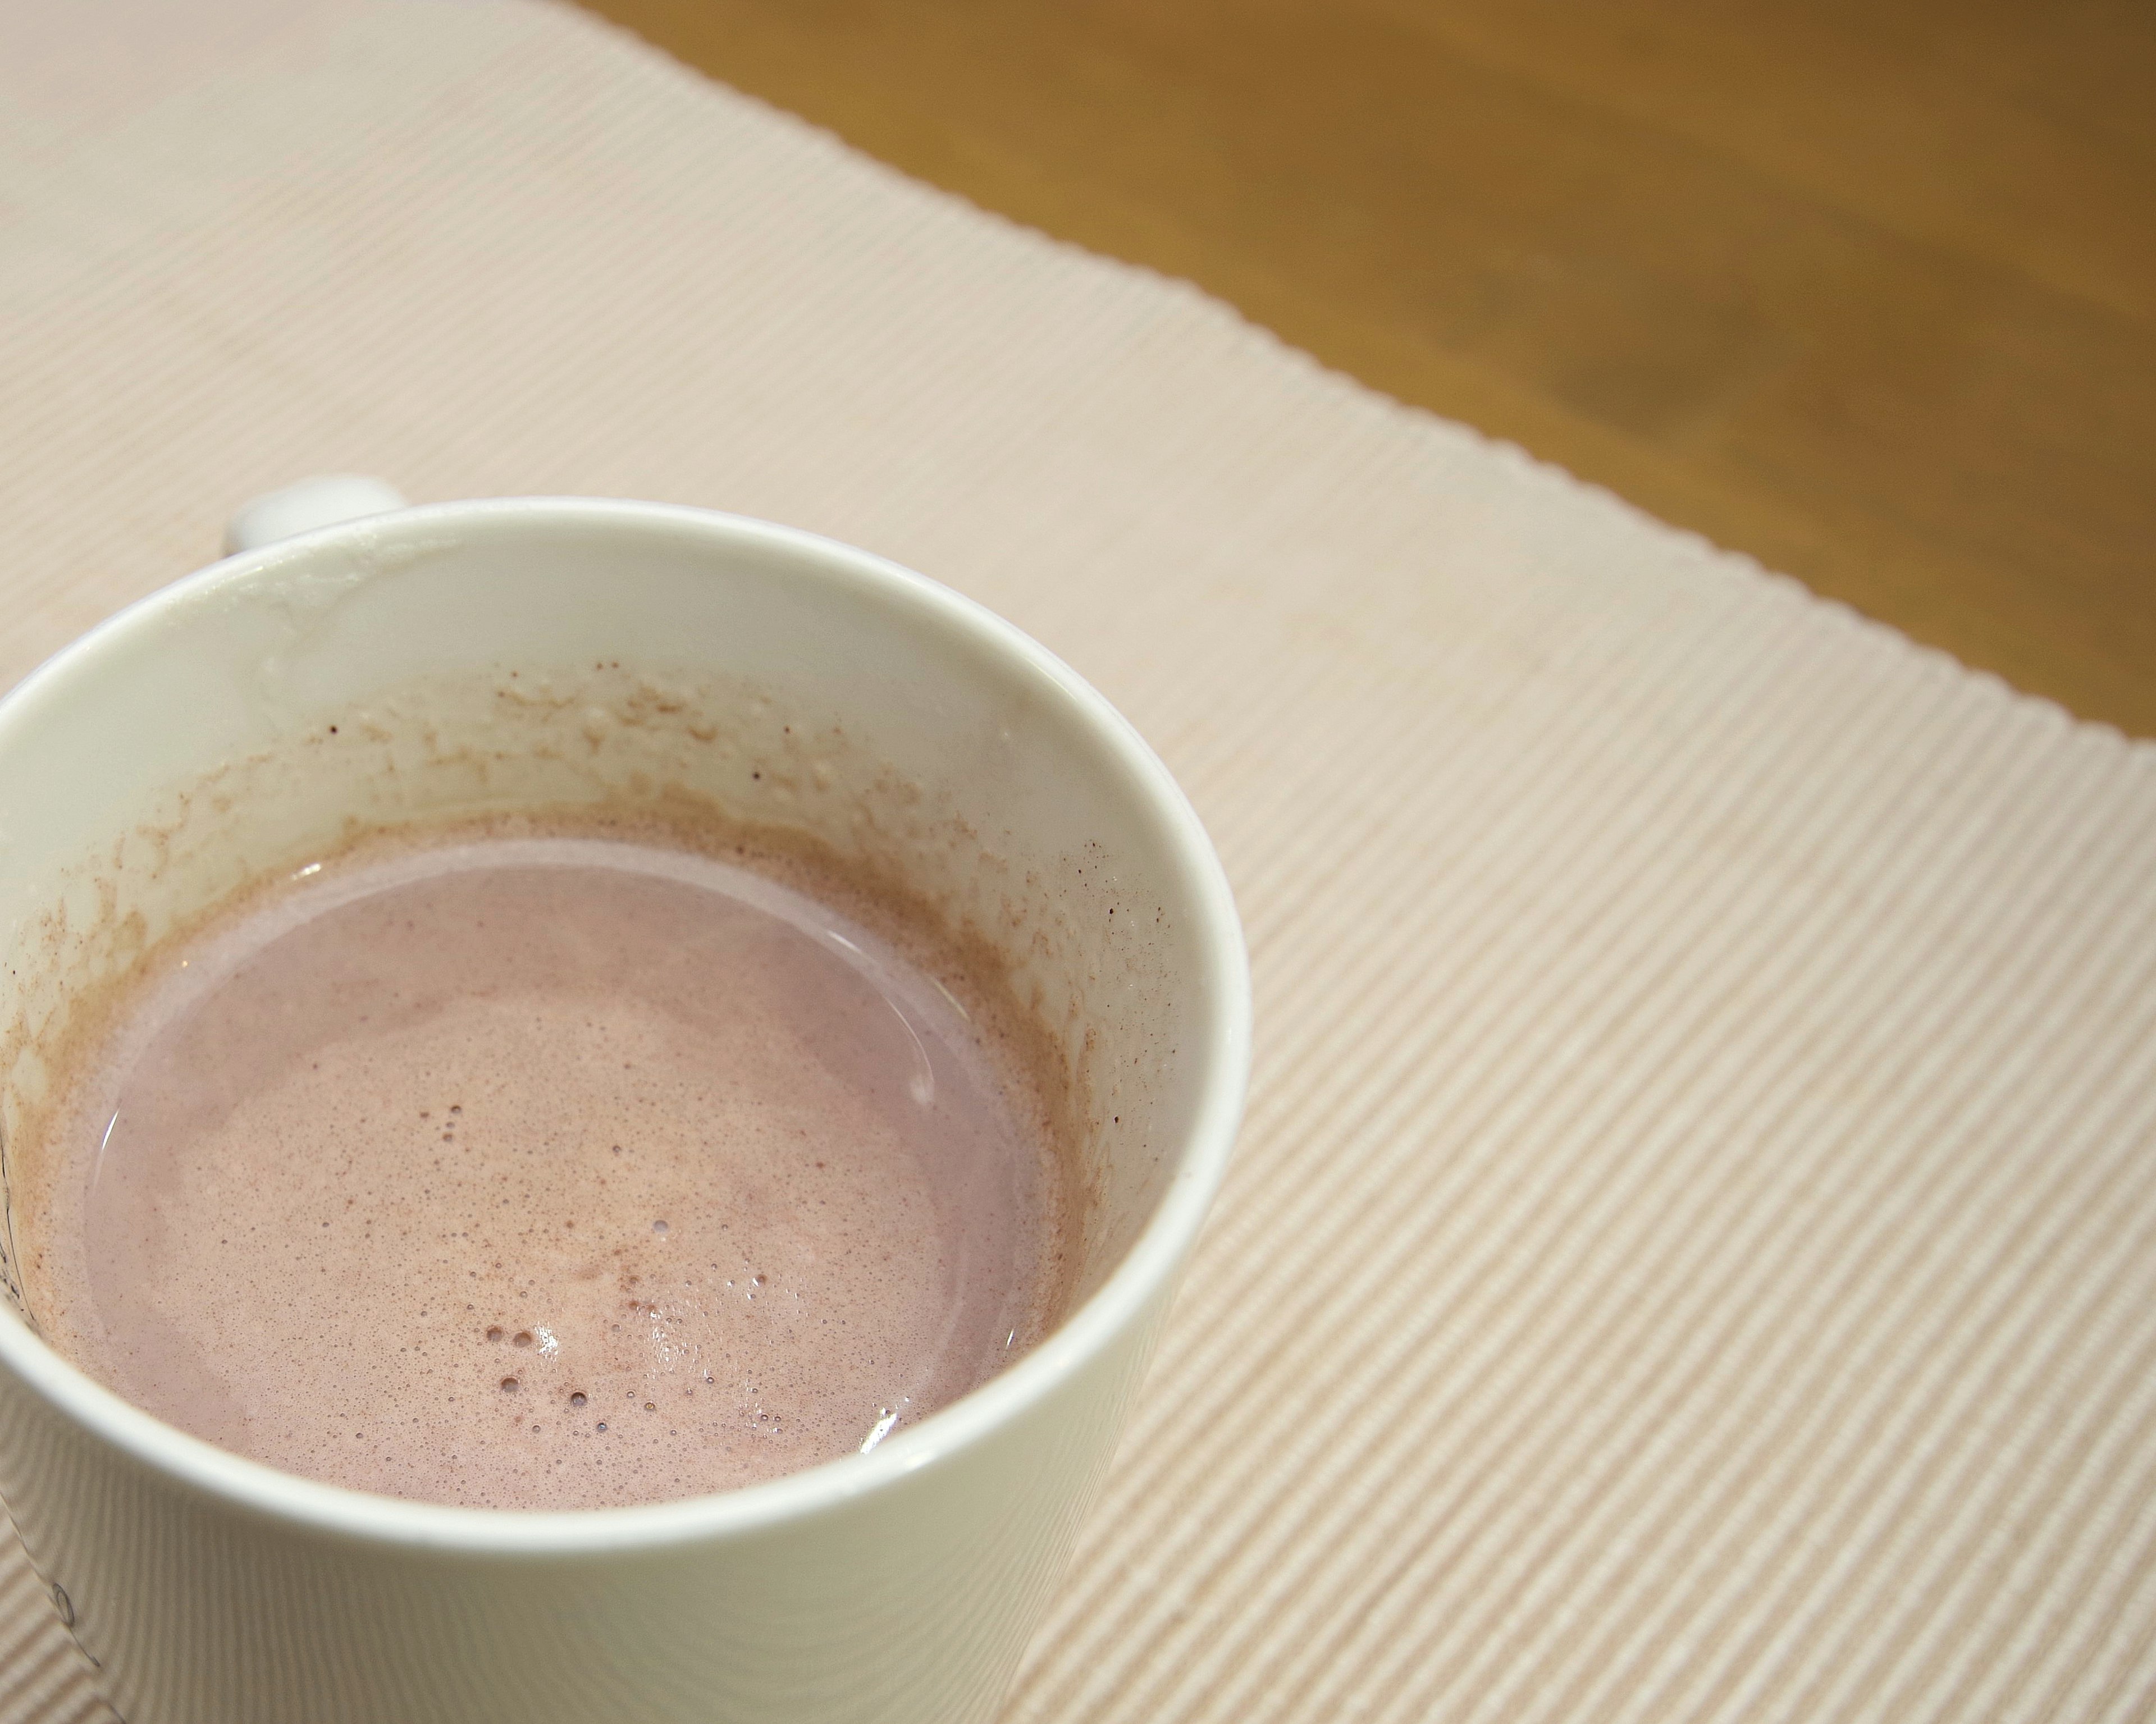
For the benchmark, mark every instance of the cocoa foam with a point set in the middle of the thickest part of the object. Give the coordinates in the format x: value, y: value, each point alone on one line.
x: 545, y: 1172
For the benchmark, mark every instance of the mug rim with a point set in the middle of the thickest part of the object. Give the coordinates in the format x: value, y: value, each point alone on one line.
x: 1151, y: 1264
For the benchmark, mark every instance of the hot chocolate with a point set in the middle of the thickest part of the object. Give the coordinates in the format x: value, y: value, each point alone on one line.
x: 544, y: 1171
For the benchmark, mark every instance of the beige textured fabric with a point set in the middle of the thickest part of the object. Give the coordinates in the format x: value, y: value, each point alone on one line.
x: 1693, y: 1254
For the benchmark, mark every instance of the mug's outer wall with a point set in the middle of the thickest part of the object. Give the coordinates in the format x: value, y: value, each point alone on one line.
x: 908, y: 1605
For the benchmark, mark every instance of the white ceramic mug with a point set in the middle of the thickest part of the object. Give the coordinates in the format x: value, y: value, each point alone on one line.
x: 466, y: 656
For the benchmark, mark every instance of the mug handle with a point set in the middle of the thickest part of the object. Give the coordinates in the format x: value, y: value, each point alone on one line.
x: 311, y: 503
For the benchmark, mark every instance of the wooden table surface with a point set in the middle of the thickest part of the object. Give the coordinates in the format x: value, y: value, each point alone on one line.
x: 1867, y: 291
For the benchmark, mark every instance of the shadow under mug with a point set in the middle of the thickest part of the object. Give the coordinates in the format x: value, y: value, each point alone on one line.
x: 479, y: 656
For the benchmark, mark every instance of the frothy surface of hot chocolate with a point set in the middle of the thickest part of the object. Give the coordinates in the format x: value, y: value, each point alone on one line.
x: 545, y: 1172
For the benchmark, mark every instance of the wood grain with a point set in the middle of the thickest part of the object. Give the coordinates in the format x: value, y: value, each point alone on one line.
x: 1868, y: 292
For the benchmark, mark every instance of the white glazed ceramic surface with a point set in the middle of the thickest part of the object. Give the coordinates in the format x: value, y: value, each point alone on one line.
x: 185, y: 745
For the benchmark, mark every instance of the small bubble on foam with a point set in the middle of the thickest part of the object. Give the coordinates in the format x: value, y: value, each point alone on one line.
x: 494, y: 1335
x: 603, y: 1425
x: 523, y: 1338
x: 651, y: 1405
x: 508, y: 1385
x: 658, y: 1227
x: 578, y: 1400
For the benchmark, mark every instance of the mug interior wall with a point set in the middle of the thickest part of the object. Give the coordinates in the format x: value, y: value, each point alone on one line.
x: 472, y: 660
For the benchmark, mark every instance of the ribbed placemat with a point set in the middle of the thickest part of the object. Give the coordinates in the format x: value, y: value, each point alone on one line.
x: 1693, y: 1254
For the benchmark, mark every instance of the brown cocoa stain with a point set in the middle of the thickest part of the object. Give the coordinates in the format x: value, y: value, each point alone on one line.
x: 434, y: 762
